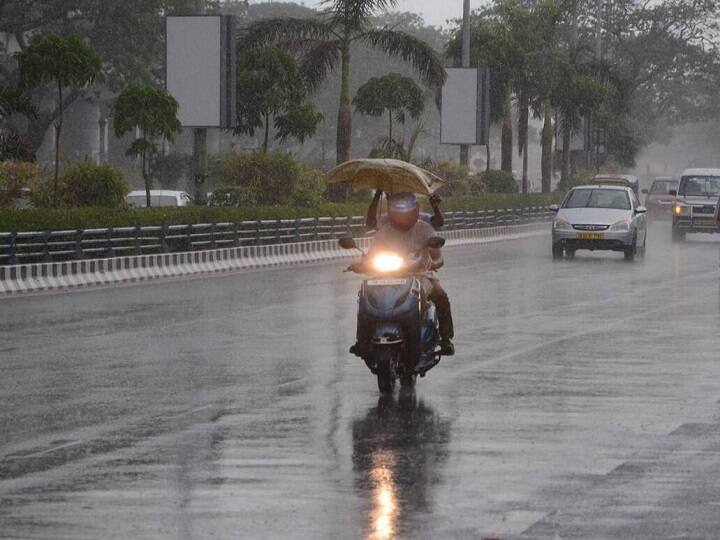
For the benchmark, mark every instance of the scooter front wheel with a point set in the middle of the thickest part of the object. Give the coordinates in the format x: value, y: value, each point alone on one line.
x: 385, y: 369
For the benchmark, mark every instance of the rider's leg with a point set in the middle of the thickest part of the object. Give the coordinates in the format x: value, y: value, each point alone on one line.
x: 439, y: 297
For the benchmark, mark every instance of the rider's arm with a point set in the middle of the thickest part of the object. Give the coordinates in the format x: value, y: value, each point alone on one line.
x: 372, y: 215
x: 436, y: 259
x: 437, y: 220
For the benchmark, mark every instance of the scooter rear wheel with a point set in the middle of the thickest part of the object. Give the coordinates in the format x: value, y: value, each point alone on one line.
x: 385, y: 370
x: 407, y: 380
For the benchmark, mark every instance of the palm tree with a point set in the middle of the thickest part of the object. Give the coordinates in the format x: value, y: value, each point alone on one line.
x: 326, y: 43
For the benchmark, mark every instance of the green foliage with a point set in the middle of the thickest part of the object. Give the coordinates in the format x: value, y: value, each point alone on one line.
x: 88, y: 218
x: 153, y: 111
x: 495, y: 182
x: 397, y: 95
x: 14, y: 146
x: 15, y: 178
x: 15, y: 100
x: 266, y: 179
x: 271, y: 87
x: 150, y: 109
x: 326, y: 44
x: 170, y: 169
x: 90, y: 184
x: 127, y: 36
x: 391, y: 93
x: 65, y: 61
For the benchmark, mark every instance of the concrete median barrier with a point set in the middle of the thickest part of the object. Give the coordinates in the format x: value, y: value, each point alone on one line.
x: 58, y: 276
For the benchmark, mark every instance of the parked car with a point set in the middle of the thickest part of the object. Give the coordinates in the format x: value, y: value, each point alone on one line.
x: 599, y: 217
x: 659, y: 199
x: 696, y: 197
x: 158, y: 197
x: 625, y: 180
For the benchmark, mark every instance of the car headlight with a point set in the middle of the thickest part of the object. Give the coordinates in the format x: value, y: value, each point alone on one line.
x: 621, y: 226
x: 560, y: 224
x: 681, y: 210
x: 387, y: 262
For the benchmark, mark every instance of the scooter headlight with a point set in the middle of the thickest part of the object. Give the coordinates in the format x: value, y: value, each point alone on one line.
x: 387, y: 262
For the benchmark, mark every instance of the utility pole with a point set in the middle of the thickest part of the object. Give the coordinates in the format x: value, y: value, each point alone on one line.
x: 464, y: 148
x: 199, y: 144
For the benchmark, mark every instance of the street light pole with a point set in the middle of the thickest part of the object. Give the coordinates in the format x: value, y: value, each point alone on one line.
x: 464, y: 148
x: 199, y: 160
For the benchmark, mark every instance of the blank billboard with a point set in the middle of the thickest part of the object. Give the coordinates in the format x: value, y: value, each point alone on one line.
x: 199, y: 69
x: 465, y: 107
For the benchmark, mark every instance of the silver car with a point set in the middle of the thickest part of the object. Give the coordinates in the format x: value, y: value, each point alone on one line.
x: 599, y: 217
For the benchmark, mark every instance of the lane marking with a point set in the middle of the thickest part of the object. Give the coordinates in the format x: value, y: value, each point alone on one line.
x: 43, y: 452
x: 187, y: 413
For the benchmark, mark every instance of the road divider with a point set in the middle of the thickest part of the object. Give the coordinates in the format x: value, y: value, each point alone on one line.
x: 67, y: 275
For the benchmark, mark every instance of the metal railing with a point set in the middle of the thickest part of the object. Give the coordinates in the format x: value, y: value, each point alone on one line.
x: 51, y: 246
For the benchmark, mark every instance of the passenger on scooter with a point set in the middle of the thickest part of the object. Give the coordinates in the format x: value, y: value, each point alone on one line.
x: 406, y: 234
x: 374, y: 221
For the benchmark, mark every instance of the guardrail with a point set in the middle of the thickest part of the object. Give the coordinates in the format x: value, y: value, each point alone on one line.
x: 55, y: 246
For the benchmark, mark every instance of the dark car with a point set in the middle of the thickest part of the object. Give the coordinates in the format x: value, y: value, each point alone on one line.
x: 697, y: 198
x: 659, y: 200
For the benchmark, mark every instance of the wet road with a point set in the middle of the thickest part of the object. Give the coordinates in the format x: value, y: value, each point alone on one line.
x: 584, y: 402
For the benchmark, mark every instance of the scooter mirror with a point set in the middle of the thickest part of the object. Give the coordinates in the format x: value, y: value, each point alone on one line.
x: 347, y: 242
x: 436, y: 242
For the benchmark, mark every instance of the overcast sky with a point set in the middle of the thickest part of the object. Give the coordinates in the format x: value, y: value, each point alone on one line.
x: 435, y: 12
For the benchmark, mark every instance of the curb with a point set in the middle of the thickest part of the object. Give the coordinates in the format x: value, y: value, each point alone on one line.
x: 46, y: 277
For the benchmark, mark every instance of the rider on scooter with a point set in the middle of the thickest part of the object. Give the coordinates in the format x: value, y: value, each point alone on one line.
x: 406, y: 234
x: 375, y: 221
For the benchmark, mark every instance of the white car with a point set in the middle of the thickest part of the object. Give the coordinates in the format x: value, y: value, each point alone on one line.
x: 599, y: 217
x: 158, y: 197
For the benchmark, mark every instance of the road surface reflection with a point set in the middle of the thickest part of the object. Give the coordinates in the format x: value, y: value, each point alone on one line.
x: 399, y: 448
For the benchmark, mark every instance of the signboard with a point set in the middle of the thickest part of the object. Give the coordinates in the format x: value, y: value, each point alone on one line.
x: 465, y: 117
x: 200, y: 69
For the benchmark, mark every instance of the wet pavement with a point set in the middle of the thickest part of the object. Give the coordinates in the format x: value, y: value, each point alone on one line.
x: 584, y: 402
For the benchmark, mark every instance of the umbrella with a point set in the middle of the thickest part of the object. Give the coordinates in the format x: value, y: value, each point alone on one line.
x: 390, y: 175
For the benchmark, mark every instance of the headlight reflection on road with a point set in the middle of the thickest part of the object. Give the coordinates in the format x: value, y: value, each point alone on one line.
x: 384, y: 511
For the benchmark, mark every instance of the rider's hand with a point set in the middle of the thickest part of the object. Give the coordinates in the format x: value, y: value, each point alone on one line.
x: 356, y: 267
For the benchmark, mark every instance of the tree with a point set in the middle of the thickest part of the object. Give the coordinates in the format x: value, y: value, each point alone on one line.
x: 271, y: 89
x: 326, y: 42
x: 65, y: 62
x: 393, y: 94
x: 14, y: 146
x: 489, y: 47
x: 152, y: 111
x: 126, y: 35
x: 15, y: 101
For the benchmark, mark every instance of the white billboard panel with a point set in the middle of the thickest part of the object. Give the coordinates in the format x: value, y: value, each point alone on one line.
x: 198, y: 71
x: 458, y: 123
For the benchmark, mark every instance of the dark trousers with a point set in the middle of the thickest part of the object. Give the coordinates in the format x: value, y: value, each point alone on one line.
x: 439, y: 297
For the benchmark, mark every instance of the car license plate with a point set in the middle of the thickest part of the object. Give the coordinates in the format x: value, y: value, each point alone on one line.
x: 590, y: 236
x: 706, y: 222
x: 388, y: 281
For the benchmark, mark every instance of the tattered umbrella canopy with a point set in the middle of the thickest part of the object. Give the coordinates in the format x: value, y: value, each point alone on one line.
x: 390, y: 175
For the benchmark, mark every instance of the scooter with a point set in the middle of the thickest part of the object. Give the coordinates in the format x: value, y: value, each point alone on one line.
x: 398, y: 335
